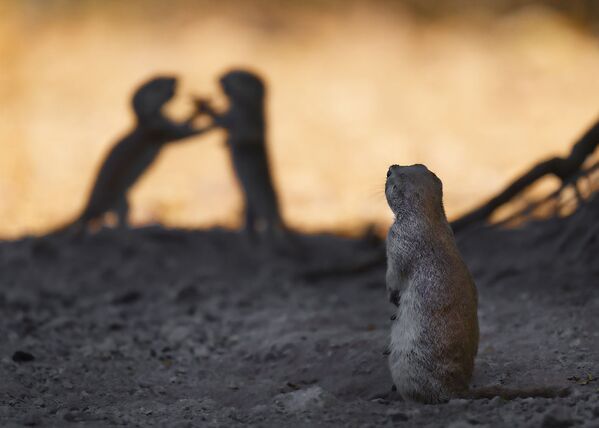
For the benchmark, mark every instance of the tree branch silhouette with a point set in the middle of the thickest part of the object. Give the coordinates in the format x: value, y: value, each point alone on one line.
x: 566, y: 169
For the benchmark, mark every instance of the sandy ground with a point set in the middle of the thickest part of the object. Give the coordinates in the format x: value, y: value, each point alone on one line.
x: 157, y: 327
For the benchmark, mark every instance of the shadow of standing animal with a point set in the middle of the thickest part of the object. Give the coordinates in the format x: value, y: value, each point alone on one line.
x: 132, y: 155
x: 246, y: 128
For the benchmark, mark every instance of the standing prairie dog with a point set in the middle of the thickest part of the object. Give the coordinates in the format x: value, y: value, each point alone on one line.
x: 245, y: 125
x: 134, y: 153
x: 434, y: 338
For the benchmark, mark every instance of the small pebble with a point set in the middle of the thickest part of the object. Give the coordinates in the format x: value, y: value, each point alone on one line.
x: 22, y: 357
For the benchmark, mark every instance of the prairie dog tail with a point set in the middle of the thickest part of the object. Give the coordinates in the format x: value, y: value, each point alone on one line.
x: 512, y: 393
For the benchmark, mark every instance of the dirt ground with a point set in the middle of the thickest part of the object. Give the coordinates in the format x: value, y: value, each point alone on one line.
x: 157, y: 327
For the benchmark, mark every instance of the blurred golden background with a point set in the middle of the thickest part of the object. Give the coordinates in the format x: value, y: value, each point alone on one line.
x: 477, y: 94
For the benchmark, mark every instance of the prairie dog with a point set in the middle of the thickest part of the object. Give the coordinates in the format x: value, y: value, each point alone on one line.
x: 434, y: 338
x: 245, y: 124
x: 134, y: 153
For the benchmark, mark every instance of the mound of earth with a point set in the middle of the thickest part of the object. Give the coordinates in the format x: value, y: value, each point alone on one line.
x: 158, y: 327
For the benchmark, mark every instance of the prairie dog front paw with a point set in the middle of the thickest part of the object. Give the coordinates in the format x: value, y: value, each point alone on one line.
x: 393, y: 295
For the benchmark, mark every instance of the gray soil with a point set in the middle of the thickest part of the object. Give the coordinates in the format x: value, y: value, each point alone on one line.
x: 194, y: 328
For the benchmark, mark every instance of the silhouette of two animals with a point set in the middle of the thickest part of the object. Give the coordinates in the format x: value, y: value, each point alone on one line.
x: 132, y: 155
x: 246, y: 134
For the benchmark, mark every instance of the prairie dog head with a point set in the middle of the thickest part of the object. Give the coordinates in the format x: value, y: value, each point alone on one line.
x: 243, y: 87
x: 414, y: 190
x: 152, y: 95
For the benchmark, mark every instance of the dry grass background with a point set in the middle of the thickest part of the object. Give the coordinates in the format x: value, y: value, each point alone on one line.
x: 352, y: 89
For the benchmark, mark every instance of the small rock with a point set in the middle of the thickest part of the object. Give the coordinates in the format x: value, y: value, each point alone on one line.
x: 200, y: 351
x: 178, y: 334
x: 22, y: 357
x: 259, y: 409
x: 302, y: 400
x: 575, y: 343
x: 495, y: 401
x: 107, y: 345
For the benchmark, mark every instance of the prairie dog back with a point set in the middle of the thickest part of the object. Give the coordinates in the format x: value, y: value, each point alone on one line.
x: 434, y: 338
